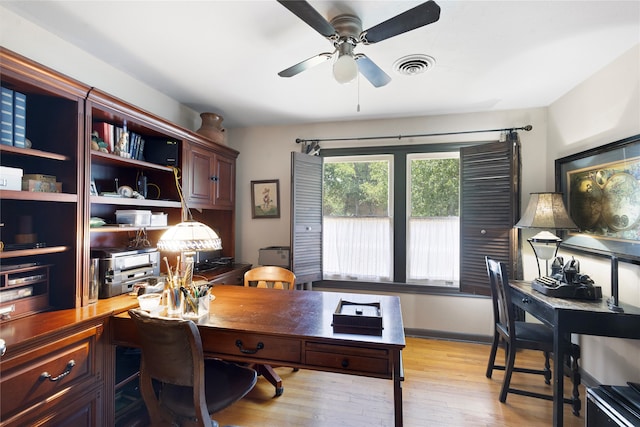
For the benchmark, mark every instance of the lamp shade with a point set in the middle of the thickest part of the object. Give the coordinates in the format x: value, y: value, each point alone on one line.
x: 189, y: 236
x: 547, y: 211
x: 345, y: 69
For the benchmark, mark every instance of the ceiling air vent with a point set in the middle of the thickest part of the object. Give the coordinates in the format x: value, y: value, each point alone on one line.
x: 414, y: 64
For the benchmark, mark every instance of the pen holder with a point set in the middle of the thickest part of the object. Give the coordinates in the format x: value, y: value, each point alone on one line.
x: 174, y: 301
x: 194, y: 308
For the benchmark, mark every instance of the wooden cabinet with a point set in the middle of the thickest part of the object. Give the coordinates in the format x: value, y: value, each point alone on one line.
x: 51, y: 329
x: 60, y: 378
x: 116, y: 177
x: 210, y: 181
x: 62, y: 114
x: 204, y: 171
x: 39, y: 227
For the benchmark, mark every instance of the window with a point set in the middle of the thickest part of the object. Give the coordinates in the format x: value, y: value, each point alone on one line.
x: 359, y: 222
x: 433, y: 223
x: 387, y: 256
x: 357, y: 219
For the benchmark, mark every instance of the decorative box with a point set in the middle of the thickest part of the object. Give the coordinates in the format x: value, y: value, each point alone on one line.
x: 41, y: 186
x: 39, y: 177
x: 133, y: 217
x: 358, y: 318
x: 158, y: 218
x: 10, y: 178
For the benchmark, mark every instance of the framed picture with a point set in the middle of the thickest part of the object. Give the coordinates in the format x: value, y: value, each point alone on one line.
x: 601, y: 189
x: 265, y: 199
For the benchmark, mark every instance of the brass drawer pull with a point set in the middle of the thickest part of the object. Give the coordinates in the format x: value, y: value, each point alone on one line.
x: 47, y: 376
x: 259, y: 347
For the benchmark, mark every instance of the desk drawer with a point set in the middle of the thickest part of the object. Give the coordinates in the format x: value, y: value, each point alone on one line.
x: 355, y: 360
x: 537, y: 309
x: 253, y: 346
x: 54, y: 369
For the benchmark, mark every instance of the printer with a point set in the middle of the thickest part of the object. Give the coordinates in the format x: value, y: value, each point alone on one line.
x: 122, y: 268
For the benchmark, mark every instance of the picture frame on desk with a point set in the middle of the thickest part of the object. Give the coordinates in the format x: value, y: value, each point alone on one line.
x: 265, y: 199
x: 601, y: 189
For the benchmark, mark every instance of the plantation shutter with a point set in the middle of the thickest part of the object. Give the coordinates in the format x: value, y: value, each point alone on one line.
x: 490, y: 206
x: 306, y: 217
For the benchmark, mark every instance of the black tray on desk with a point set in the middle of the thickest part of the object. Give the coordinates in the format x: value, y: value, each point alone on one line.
x: 358, y: 318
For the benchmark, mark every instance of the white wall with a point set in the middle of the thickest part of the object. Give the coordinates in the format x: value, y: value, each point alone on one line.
x: 605, y: 108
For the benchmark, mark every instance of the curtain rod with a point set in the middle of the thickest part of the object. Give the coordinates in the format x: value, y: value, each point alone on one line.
x: 419, y: 135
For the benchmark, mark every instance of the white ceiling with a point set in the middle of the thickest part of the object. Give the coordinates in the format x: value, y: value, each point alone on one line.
x: 224, y: 56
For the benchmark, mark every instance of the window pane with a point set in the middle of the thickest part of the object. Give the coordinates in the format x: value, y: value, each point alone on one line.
x: 433, y: 253
x: 357, y: 220
x: 356, y: 187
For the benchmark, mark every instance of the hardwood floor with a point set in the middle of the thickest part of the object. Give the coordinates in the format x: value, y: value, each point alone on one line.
x: 445, y: 385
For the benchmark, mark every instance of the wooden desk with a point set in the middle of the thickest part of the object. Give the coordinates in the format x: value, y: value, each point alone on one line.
x: 293, y: 328
x: 567, y: 316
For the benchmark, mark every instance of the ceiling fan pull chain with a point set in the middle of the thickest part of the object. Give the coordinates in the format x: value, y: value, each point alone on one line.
x: 358, y: 109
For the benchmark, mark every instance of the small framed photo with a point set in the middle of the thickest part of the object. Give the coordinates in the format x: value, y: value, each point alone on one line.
x: 265, y: 199
x: 93, y: 190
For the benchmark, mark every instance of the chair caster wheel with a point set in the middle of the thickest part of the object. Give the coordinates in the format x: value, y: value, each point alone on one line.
x: 279, y: 391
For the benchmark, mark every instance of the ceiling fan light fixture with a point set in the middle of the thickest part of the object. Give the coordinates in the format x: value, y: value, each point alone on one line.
x: 345, y: 69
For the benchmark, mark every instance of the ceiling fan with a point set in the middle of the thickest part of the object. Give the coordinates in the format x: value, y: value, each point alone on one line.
x: 345, y: 32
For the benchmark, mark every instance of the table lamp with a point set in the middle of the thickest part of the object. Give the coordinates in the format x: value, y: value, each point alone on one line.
x: 545, y: 211
x: 188, y: 236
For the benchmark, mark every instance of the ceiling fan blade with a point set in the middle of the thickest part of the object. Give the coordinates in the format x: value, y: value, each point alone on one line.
x: 305, y: 65
x: 371, y: 71
x: 308, y: 14
x: 419, y: 16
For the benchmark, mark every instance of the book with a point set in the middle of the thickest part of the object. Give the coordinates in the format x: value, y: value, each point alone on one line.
x: 141, y: 150
x: 6, y: 117
x: 105, y: 132
x: 19, y: 119
x: 134, y: 139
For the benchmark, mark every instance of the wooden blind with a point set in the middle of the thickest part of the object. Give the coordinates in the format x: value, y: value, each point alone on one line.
x: 306, y: 217
x: 490, y: 206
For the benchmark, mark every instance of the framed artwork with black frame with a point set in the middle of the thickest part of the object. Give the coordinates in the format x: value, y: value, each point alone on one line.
x: 265, y: 199
x: 601, y: 189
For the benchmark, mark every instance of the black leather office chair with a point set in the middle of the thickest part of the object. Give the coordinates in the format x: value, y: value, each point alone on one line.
x: 178, y: 385
x: 523, y: 335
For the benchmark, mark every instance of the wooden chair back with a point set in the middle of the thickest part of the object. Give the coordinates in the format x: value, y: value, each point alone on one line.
x: 178, y: 385
x: 171, y: 355
x: 270, y: 277
x: 503, y: 310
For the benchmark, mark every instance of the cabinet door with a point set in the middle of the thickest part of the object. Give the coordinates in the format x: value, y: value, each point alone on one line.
x: 210, y: 178
x: 201, y: 177
x: 225, y: 181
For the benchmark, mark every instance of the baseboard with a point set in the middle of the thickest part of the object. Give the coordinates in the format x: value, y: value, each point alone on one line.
x: 448, y: 336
